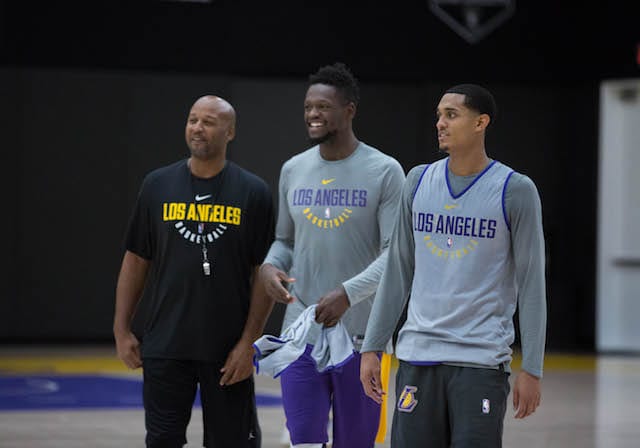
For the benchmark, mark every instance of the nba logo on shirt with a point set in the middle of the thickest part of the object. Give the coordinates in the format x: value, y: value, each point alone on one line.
x: 327, y: 213
x: 486, y: 406
x: 449, y: 242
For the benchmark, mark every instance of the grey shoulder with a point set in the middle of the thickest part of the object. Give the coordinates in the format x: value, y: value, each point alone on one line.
x: 379, y: 153
x: 301, y: 157
x: 417, y: 170
x: 381, y: 160
x: 521, y: 185
x: 413, y: 178
x: 415, y: 173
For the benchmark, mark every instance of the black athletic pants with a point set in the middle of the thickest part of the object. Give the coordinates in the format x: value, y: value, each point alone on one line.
x: 229, y: 413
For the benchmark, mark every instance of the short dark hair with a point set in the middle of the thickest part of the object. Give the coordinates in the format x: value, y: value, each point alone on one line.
x: 477, y: 98
x: 340, y: 77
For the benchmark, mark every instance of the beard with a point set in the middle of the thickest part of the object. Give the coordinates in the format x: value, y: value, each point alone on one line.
x: 199, y: 153
x: 323, y: 138
x: 205, y: 152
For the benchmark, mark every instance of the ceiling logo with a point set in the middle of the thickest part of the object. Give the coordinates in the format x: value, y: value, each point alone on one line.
x: 473, y: 19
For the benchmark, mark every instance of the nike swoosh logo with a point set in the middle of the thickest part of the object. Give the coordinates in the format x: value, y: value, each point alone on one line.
x: 449, y: 207
x: 328, y: 181
x: 203, y: 197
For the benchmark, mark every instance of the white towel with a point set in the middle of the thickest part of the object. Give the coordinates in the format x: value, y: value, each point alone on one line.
x: 332, y: 346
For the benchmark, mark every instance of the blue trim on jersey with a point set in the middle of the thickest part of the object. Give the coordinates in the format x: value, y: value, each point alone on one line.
x: 504, y: 206
x: 419, y: 180
x: 446, y: 175
x: 425, y: 363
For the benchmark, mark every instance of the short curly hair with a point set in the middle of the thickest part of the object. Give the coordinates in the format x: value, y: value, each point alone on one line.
x: 340, y: 77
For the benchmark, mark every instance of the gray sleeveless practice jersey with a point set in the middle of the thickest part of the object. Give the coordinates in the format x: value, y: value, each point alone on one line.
x: 334, y: 223
x: 467, y: 250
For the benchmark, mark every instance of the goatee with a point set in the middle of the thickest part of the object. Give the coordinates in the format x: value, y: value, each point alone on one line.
x: 323, y: 138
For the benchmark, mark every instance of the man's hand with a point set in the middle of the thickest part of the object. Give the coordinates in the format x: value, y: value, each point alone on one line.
x: 370, y: 376
x: 274, y: 280
x: 239, y: 364
x: 128, y: 349
x: 526, y: 394
x: 332, y: 306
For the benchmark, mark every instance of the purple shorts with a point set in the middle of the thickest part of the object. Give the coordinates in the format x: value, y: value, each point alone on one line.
x: 307, y: 398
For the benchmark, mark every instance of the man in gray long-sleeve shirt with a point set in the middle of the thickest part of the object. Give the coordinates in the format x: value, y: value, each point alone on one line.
x: 468, y: 247
x: 337, y: 204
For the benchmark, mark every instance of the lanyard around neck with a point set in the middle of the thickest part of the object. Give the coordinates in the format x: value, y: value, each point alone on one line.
x: 206, y: 265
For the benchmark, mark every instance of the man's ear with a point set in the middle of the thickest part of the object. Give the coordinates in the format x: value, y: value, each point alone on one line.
x: 351, y: 110
x: 483, y: 122
x: 231, y: 133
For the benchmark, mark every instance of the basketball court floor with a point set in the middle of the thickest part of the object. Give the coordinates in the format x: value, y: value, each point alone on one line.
x: 72, y: 397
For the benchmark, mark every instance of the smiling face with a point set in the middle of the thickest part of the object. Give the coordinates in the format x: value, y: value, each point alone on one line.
x: 326, y: 113
x: 458, y: 126
x: 210, y: 127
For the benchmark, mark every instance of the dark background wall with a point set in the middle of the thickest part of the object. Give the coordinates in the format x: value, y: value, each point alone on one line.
x: 93, y: 99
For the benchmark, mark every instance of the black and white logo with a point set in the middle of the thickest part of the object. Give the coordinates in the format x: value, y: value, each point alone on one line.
x: 473, y: 19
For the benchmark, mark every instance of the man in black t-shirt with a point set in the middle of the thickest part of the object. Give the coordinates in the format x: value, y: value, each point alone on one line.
x: 198, y: 232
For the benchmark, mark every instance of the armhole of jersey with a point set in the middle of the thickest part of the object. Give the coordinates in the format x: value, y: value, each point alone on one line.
x: 413, y: 196
x: 504, y: 206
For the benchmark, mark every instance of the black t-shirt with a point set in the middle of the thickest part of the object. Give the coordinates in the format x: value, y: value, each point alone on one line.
x: 189, y: 315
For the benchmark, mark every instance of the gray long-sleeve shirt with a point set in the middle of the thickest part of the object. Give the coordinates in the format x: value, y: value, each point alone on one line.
x: 334, y: 223
x: 523, y: 211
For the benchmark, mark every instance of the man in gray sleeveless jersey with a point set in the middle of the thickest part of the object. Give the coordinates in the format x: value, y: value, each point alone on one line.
x: 337, y: 204
x: 468, y: 248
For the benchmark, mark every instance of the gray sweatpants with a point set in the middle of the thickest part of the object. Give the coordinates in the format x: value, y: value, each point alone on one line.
x: 442, y: 406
